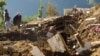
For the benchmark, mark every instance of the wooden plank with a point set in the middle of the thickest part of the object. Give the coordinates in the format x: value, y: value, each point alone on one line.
x: 77, y: 36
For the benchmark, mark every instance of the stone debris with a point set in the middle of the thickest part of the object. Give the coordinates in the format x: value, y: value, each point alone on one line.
x: 77, y: 35
x: 36, y: 51
x: 56, y: 44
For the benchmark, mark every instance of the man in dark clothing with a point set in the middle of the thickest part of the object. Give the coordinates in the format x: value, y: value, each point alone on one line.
x: 6, y: 15
x: 6, y: 20
x: 17, y: 20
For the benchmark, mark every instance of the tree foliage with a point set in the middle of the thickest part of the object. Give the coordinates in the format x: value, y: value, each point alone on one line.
x: 2, y: 4
x: 40, y: 9
x: 51, y: 10
x: 29, y: 18
x: 39, y: 13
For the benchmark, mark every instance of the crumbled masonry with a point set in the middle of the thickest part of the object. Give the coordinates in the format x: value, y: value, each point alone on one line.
x: 73, y: 37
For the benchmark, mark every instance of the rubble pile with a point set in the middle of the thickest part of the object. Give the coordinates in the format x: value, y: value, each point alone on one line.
x: 89, y: 29
x: 28, y: 34
x: 20, y: 48
x: 71, y: 39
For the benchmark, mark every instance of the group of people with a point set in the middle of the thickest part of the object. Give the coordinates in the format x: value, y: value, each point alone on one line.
x: 16, y: 20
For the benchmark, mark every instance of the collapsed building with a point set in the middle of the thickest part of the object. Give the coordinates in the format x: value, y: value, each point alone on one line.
x: 72, y: 32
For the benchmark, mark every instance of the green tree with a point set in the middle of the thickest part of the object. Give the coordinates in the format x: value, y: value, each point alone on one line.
x: 40, y: 9
x: 51, y: 10
x: 2, y: 4
x: 27, y: 18
x: 39, y: 14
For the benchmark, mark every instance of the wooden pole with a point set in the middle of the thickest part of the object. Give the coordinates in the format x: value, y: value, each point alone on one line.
x: 77, y: 36
x: 66, y: 46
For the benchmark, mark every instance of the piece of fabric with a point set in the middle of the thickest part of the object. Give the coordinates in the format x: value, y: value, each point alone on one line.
x: 7, y: 25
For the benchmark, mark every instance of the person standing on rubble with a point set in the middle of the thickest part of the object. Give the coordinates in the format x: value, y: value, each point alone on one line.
x: 6, y: 19
x: 17, y: 19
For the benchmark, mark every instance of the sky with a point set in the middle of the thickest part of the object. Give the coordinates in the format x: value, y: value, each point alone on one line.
x: 30, y: 7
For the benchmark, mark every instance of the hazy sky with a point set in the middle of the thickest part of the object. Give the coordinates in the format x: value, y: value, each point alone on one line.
x: 30, y: 7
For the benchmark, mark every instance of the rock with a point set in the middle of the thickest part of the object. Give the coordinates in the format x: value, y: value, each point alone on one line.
x: 56, y: 43
x: 16, y: 54
x: 36, y: 52
x: 1, y: 49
